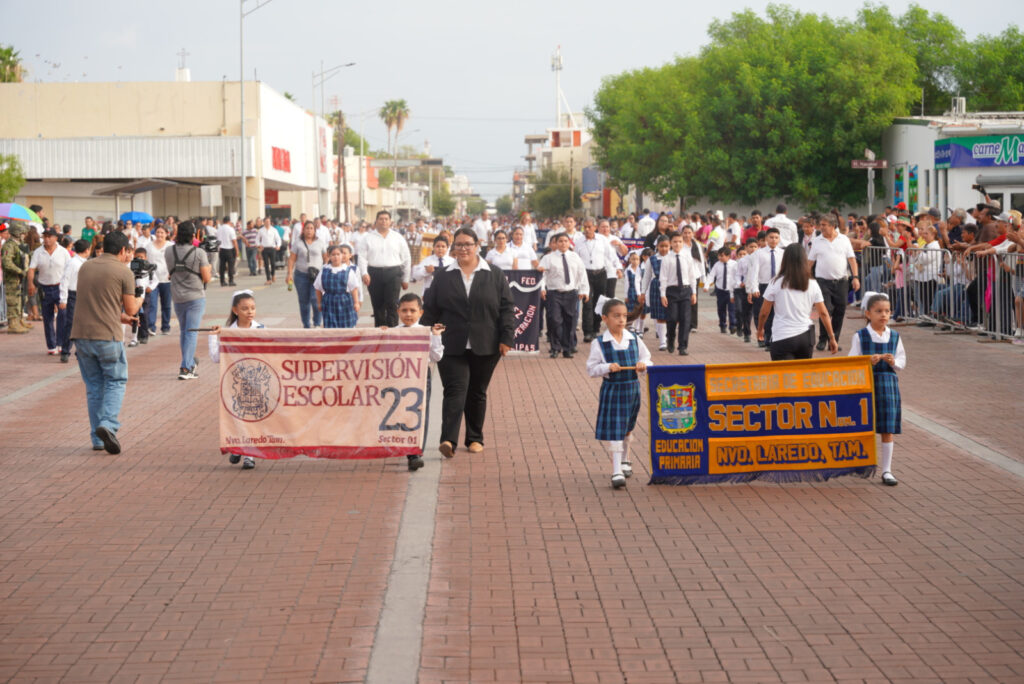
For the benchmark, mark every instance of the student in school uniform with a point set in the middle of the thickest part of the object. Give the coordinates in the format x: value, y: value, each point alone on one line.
x: 563, y: 284
x: 745, y: 265
x: 243, y: 315
x: 696, y: 251
x: 651, y: 290
x: 338, y: 292
x: 410, y: 310
x: 617, y: 356
x: 888, y: 356
x: 678, y: 293
x: 767, y: 261
x: 437, y: 261
x: 723, y: 278
x: 632, y: 277
x: 501, y: 255
x: 523, y: 256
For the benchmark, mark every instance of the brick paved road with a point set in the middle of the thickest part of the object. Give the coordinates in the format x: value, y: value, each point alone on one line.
x: 165, y: 563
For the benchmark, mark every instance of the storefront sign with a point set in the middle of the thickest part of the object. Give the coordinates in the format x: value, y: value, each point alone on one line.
x: 987, y: 150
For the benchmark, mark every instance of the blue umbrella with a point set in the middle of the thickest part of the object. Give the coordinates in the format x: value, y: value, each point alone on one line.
x: 136, y: 217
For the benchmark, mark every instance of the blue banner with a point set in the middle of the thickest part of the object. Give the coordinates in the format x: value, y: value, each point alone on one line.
x: 782, y: 421
x: 525, y: 286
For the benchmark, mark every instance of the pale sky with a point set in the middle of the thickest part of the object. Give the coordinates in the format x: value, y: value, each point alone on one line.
x: 476, y: 74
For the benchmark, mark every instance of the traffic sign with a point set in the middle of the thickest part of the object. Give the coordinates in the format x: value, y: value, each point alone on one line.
x: 869, y: 164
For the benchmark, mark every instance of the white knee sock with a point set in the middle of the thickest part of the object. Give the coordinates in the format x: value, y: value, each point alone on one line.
x: 616, y: 450
x: 886, y: 464
x: 625, y: 447
x: 660, y: 328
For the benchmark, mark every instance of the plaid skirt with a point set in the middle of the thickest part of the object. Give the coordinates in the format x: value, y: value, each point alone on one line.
x: 339, y: 310
x: 617, y: 410
x: 654, y: 309
x: 888, y: 410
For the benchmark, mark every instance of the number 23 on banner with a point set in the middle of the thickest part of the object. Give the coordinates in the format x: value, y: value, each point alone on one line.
x: 410, y: 401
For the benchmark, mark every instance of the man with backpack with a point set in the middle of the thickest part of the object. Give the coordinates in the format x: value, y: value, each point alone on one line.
x: 190, y: 271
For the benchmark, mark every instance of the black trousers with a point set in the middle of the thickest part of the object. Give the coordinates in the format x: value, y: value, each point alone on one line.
x: 744, y: 310
x: 53, y: 317
x: 269, y: 257
x: 227, y: 263
x: 797, y: 347
x: 385, y: 287
x: 835, y: 293
x: 591, y: 317
x: 562, y: 308
x: 726, y: 309
x: 465, y: 379
x: 69, y: 318
x: 679, y: 312
x: 757, y: 304
x: 609, y: 288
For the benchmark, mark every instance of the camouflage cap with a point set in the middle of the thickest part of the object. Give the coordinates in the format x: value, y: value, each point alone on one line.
x: 18, y: 230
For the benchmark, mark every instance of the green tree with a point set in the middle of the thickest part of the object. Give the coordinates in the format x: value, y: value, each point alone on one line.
x: 441, y: 200
x: 990, y: 72
x: 288, y: 96
x: 11, y: 69
x: 503, y: 205
x: 11, y: 177
x: 550, y: 196
x: 475, y: 205
x: 743, y: 122
x: 385, y: 178
x: 936, y: 44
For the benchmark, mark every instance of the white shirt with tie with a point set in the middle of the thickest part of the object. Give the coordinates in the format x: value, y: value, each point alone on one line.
x: 419, y: 271
x: 760, y: 271
x: 724, y: 275
x: 553, y: 265
x: 671, y: 276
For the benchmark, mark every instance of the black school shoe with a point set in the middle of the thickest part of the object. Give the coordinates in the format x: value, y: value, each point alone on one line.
x: 554, y: 353
x: 233, y: 459
x: 821, y: 345
x: 109, y: 440
x: 415, y: 462
x: 683, y: 352
x: 567, y: 355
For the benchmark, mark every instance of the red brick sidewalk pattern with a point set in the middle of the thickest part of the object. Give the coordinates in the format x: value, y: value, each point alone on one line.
x: 167, y: 564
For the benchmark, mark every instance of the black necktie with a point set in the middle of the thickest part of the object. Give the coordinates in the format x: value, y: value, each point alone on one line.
x: 679, y: 269
x: 565, y: 270
x: 772, y: 252
x: 725, y: 274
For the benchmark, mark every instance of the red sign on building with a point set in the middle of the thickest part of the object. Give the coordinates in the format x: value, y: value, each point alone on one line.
x: 281, y: 159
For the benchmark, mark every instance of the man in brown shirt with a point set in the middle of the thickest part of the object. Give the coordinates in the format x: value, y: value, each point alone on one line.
x: 106, y: 299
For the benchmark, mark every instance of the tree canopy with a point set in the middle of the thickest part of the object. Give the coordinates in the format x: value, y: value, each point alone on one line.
x: 778, y: 105
x: 550, y: 196
x: 11, y: 177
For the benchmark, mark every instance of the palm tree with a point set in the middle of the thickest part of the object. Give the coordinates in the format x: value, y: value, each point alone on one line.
x: 394, y: 114
x: 11, y: 70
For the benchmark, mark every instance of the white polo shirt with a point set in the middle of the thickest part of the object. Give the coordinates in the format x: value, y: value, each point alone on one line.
x: 49, y: 267
x: 792, y: 308
x: 831, y: 257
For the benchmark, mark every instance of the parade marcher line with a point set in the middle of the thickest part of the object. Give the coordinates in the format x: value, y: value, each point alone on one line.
x: 395, y: 656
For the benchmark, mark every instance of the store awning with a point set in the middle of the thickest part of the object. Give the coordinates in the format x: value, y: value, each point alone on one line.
x: 136, y: 187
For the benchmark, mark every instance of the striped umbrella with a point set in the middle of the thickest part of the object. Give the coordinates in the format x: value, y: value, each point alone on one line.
x: 10, y: 210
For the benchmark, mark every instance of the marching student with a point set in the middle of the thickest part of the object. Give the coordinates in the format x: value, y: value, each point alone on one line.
x: 564, y: 281
x: 651, y: 290
x: 337, y: 288
x: 148, y: 283
x: 436, y: 262
x: 888, y: 356
x: 633, y: 276
x: 766, y: 264
x: 723, y: 278
x: 523, y: 256
x: 744, y: 268
x: 410, y: 310
x: 679, y: 293
x: 69, y: 293
x: 243, y: 315
x: 618, y: 356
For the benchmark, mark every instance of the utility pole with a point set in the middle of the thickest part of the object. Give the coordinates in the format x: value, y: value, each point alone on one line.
x: 341, y: 164
x: 572, y: 184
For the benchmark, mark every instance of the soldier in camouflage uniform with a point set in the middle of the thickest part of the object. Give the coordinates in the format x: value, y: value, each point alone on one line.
x: 15, y: 265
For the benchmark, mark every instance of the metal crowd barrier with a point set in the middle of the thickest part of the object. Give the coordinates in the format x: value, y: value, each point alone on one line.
x: 996, y: 295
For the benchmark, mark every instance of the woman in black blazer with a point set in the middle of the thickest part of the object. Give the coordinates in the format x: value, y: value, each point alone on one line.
x: 479, y: 327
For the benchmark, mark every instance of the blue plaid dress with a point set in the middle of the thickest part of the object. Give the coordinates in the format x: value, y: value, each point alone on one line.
x: 888, y: 409
x: 338, y: 306
x: 654, y: 308
x: 632, y: 290
x: 619, y: 402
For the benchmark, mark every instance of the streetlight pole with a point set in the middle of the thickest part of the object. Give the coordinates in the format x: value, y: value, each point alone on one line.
x: 320, y: 79
x: 242, y: 14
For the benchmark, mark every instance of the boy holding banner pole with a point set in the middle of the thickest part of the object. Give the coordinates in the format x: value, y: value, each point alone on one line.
x: 617, y: 356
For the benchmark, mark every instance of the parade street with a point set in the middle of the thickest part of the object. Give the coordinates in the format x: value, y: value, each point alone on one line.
x: 521, y: 563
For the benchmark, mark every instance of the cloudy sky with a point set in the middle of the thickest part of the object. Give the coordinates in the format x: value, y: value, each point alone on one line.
x: 476, y: 74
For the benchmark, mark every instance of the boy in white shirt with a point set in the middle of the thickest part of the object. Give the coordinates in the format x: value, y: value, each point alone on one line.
x: 410, y: 311
x: 438, y: 261
x: 69, y: 293
x: 723, y: 279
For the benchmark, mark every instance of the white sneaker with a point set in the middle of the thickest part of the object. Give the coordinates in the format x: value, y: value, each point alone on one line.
x: 618, y: 481
x: 663, y: 347
x: 133, y: 343
x: 627, y: 468
x: 248, y: 463
x: 184, y: 374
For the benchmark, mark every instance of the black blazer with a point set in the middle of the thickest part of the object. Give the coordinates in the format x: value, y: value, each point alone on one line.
x: 486, y: 318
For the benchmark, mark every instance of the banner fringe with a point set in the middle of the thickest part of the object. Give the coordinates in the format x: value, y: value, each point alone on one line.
x: 774, y: 476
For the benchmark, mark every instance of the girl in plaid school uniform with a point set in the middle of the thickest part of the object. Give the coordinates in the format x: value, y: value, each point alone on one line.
x: 337, y: 288
x: 243, y: 315
x: 633, y: 283
x: 651, y: 288
x: 617, y: 356
x: 885, y: 348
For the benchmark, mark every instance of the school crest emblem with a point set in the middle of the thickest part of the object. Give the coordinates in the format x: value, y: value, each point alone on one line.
x: 250, y: 390
x: 677, y: 408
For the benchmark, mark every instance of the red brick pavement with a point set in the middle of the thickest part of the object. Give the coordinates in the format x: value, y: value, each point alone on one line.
x: 165, y: 563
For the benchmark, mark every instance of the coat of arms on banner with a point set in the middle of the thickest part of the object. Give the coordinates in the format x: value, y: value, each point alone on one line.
x: 253, y: 389
x: 677, y: 408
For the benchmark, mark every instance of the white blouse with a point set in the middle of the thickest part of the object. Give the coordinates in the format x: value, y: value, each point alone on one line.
x: 502, y: 260
x: 596, y: 365
x: 900, y: 355
x: 215, y: 340
x: 792, y: 308
x: 354, y: 283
